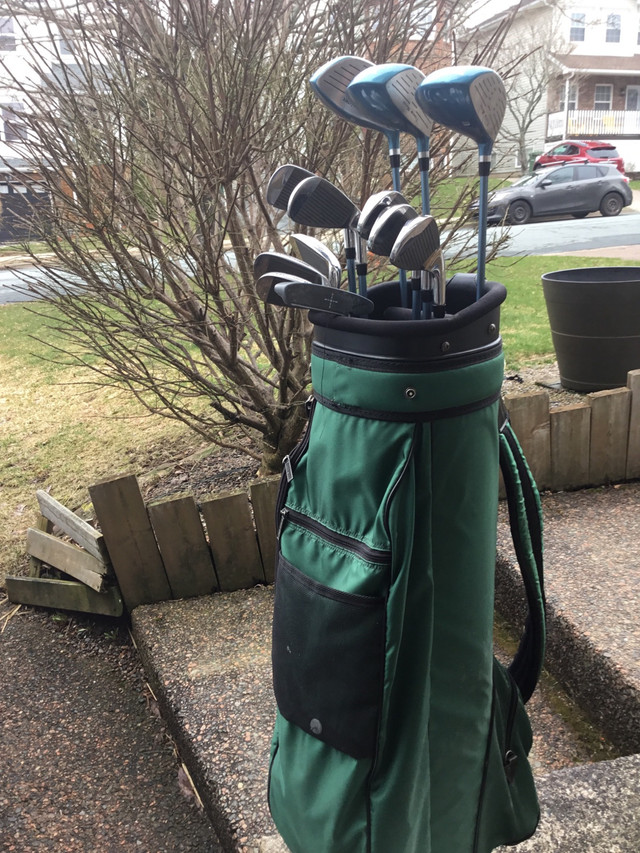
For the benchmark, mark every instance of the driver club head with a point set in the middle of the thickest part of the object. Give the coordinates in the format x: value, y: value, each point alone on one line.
x: 282, y: 183
x: 316, y: 254
x: 303, y: 294
x: 469, y: 99
x: 279, y: 262
x: 376, y: 205
x: 387, y: 227
x: 388, y: 91
x: 318, y: 203
x: 330, y: 84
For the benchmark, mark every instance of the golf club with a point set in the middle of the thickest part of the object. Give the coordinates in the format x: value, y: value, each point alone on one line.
x: 279, y: 262
x: 313, y: 252
x: 388, y: 91
x: 330, y: 83
x: 265, y: 286
x: 303, y: 294
x: 417, y: 247
x: 470, y: 100
x: 374, y: 206
x: 283, y: 181
x: 317, y: 203
x: 382, y: 237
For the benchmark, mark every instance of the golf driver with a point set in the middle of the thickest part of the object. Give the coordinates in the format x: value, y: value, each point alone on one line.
x: 317, y: 203
x: 389, y: 92
x: 330, y: 83
x: 303, y: 294
x: 313, y: 252
x: 417, y: 247
x: 279, y: 262
x: 283, y: 181
x: 470, y: 100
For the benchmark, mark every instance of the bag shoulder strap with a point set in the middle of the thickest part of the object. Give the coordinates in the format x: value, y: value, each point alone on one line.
x: 525, y: 519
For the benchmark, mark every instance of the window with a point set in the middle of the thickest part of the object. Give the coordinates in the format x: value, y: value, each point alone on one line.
x: 613, y: 28
x: 12, y: 124
x: 7, y: 38
x: 562, y: 176
x: 586, y: 173
x: 602, y: 97
x: 576, y: 33
x: 573, y: 97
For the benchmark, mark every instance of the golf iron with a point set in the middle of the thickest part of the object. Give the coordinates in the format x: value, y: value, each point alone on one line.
x: 303, y: 294
x: 417, y: 247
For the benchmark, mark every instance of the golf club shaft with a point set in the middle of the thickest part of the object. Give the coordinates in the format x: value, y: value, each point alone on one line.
x: 484, y: 166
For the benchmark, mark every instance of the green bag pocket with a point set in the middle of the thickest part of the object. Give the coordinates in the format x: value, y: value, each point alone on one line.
x: 328, y: 660
x: 509, y: 810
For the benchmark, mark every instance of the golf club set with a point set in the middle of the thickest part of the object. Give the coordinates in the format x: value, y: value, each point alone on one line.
x: 391, y: 98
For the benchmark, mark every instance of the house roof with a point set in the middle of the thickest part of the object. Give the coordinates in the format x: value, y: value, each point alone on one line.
x: 599, y: 64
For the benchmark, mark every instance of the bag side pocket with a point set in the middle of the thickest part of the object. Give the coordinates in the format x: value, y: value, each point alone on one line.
x: 328, y: 660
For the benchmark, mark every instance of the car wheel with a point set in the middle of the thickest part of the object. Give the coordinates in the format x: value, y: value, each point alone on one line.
x: 580, y: 215
x: 611, y: 205
x: 519, y: 212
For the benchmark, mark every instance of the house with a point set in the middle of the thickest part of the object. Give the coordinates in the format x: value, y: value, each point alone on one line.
x: 581, y: 79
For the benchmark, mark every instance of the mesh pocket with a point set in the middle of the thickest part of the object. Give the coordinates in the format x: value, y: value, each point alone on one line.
x: 328, y: 660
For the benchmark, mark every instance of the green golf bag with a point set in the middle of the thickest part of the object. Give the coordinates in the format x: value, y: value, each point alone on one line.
x: 397, y: 730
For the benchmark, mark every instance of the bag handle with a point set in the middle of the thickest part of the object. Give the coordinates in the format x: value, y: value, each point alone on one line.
x: 525, y: 519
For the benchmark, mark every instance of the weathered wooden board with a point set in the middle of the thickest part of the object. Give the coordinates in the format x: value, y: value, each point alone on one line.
x: 633, y: 447
x: 609, y: 435
x: 75, y: 527
x: 64, y: 595
x: 263, y: 500
x: 233, y: 541
x: 183, y: 546
x: 130, y: 541
x: 68, y: 558
x: 35, y: 565
x: 529, y: 416
x: 570, y: 437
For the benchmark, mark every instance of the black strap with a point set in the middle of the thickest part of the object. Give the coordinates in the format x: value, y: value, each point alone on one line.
x: 525, y: 518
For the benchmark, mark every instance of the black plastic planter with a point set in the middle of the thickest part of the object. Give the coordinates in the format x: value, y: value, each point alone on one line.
x: 594, y: 315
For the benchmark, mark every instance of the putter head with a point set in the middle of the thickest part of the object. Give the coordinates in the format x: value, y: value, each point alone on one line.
x: 317, y: 255
x: 303, y: 294
x: 266, y: 284
x: 283, y: 181
x: 416, y: 244
x: 387, y: 227
x: 330, y: 84
x: 389, y: 91
x: 279, y: 262
x: 469, y: 99
x: 374, y: 206
x: 316, y: 202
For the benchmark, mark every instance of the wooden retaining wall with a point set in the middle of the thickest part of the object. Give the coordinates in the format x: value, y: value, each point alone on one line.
x: 178, y: 548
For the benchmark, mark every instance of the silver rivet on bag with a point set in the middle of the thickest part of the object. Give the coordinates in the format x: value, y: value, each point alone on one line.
x: 410, y: 393
x: 315, y: 726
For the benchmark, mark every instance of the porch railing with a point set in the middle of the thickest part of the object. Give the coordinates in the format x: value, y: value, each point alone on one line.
x: 594, y: 123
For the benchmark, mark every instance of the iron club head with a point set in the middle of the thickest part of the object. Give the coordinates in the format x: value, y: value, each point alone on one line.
x: 279, y: 262
x: 316, y: 202
x: 376, y: 205
x: 317, y: 255
x: 387, y: 227
x: 266, y: 286
x: 282, y: 183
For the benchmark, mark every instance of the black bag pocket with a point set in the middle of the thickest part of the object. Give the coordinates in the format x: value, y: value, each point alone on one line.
x: 328, y: 660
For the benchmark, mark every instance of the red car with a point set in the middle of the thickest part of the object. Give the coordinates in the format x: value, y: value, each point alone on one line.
x: 577, y: 149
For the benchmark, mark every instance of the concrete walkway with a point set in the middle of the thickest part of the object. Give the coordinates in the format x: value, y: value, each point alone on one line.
x: 208, y: 659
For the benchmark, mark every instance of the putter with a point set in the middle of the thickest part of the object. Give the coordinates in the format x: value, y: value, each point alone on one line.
x: 282, y: 183
x: 330, y: 83
x: 470, y: 100
x: 267, y: 262
x: 389, y: 91
x: 316, y: 202
x: 417, y: 247
x: 317, y: 255
x: 303, y: 294
x: 266, y: 284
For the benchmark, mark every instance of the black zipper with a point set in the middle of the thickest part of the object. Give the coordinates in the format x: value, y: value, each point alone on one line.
x: 291, y: 460
x: 340, y: 540
x: 510, y: 758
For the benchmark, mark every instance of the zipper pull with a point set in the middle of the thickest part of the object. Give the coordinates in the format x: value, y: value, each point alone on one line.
x: 284, y: 512
x: 288, y: 469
